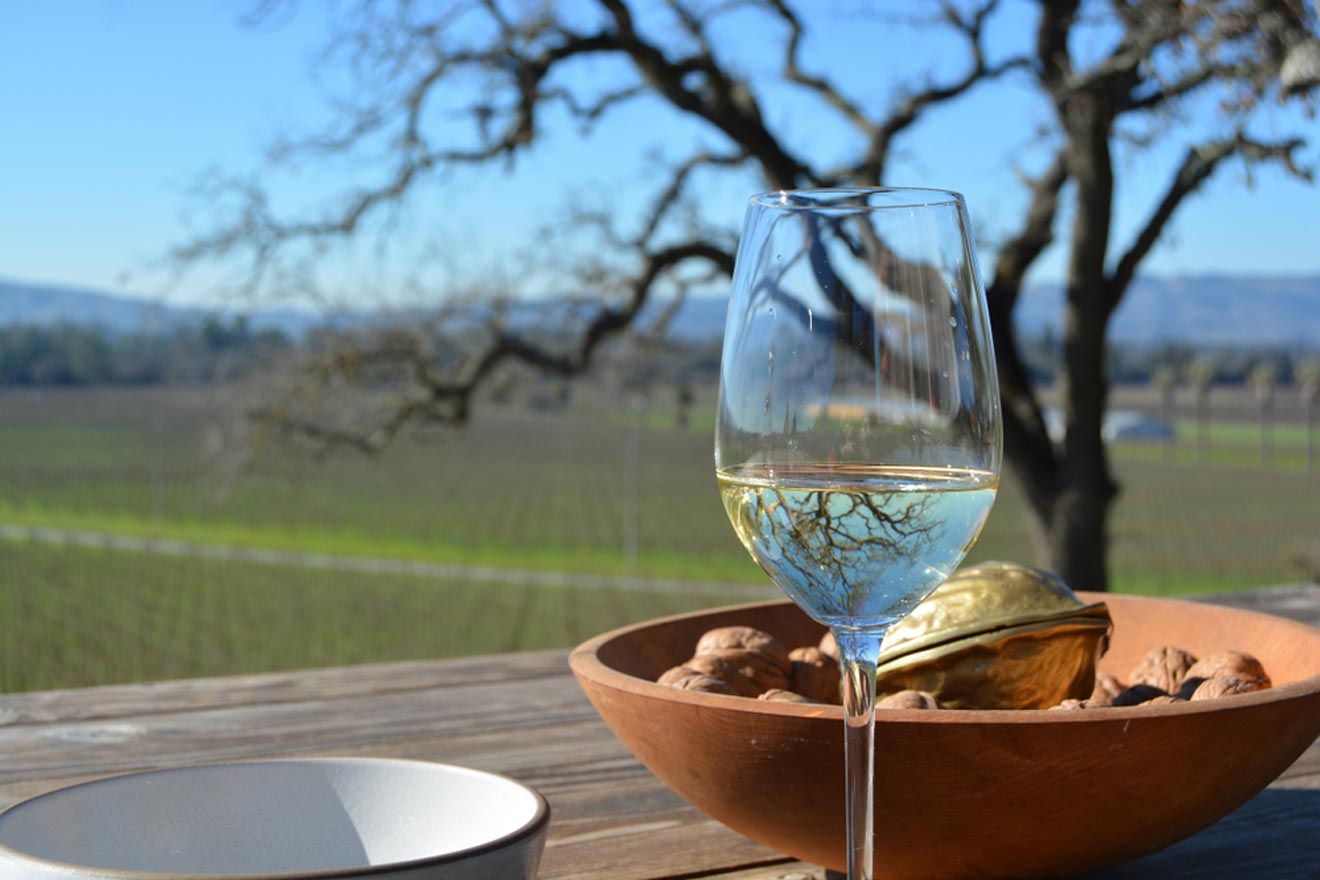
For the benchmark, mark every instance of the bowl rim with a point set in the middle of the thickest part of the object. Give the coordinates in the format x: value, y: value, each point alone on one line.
x: 533, y: 826
x: 585, y: 662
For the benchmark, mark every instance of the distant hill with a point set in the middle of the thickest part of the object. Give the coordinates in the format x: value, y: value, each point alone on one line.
x: 44, y: 304
x: 22, y: 303
x: 1211, y: 310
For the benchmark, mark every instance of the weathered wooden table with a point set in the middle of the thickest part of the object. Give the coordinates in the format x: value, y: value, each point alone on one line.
x: 523, y: 715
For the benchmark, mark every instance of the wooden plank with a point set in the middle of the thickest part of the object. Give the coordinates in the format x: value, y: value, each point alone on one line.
x: 114, y: 701
x: 1275, y: 836
x: 789, y: 870
x: 511, y: 708
x: 1295, y: 601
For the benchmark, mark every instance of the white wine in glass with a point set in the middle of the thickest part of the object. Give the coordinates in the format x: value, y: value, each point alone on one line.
x: 858, y: 438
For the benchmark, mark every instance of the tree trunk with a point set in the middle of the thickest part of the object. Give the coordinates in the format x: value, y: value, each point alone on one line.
x: 1266, y: 430
x: 1167, y: 413
x: 1202, y: 424
x: 1309, y: 403
x: 1073, y: 509
x: 1076, y: 554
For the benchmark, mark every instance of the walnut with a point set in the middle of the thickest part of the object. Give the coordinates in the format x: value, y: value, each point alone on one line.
x: 742, y: 638
x: 1072, y: 705
x: 909, y: 700
x: 1138, y: 693
x: 687, y: 679
x: 1227, y: 664
x: 1163, y: 700
x: 828, y: 646
x: 779, y: 695
x: 1106, y: 690
x: 749, y: 672
x: 814, y: 675
x: 1163, y: 667
x: 1222, y: 686
x: 810, y: 655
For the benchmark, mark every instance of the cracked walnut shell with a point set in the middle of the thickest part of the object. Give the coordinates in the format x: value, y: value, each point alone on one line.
x: 1223, y: 686
x: 909, y: 700
x: 1163, y: 667
x: 1229, y: 664
x: 686, y: 679
x: 750, y: 672
x: 814, y: 675
x: 1106, y: 690
x: 779, y: 695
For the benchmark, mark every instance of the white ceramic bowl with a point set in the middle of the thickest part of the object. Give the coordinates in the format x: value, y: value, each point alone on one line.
x: 303, y: 818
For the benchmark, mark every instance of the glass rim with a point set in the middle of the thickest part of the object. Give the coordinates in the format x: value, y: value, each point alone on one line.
x: 856, y: 198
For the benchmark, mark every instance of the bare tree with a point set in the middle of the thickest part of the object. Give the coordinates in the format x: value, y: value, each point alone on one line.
x: 1115, y: 74
x: 1200, y: 373
x: 1264, y: 378
x: 1308, y: 385
x: 1165, y: 380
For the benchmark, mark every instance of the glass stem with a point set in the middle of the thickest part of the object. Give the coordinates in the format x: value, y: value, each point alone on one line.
x: 859, y: 652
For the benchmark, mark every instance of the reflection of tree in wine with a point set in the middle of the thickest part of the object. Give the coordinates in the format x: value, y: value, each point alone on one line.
x: 837, y: 545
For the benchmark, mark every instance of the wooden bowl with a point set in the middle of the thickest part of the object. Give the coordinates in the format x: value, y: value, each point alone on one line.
x: 971, y: 793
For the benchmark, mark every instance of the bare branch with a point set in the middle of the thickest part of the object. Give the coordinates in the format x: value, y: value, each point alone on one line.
x: 714, y: 95
x: 1037, y: 233
x: 591, y: 113
x: 909, y: 110
x: 818, y: 84
x: 1197, y: 166
x: 1054, y: 63
x: 1026, y: 437
x: 670, y: 196
x: 447, y: 401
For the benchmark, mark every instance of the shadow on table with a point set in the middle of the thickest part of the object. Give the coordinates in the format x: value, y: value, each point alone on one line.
x: 1276, y: 835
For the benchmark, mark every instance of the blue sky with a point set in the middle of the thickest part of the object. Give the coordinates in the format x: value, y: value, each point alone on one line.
x: 112, y: 109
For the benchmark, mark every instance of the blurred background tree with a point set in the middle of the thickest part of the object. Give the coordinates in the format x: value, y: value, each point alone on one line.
x: 1308, y: 383
x: 1165, y: 380
x: 432, y: 89
x: 1264, y: 378
x: 1201, y: 376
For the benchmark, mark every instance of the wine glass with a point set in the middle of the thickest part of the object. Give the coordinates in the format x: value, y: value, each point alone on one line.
x: 858, y: 438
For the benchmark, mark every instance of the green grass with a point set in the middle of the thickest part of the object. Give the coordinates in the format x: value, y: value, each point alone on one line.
x: 484, y: 498
x: 76, y: 616
x: 515, y: 490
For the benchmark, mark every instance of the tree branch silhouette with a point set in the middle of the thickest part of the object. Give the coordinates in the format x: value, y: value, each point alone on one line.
x: 443, y: 87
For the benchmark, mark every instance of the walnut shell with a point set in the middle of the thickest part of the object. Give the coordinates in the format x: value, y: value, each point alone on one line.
x: 909, y: 700
x: 1072, y: 705
x: 778, y: 695
x: 687, y: 679
x: 742, y: 638
x: 1137, y: 694
x: 1221, y: 686
x: 1106, y: 690
x: 1228, y: 664
x: 1163, y: 667
x: 814, y: 675
x: 810, y: 654
x: 1163, y: 700
x: 749, y: 672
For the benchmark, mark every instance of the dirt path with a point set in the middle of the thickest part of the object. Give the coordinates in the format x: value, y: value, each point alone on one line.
x: 383, y: 565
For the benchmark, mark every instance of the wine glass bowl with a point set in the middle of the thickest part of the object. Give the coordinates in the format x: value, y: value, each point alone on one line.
x: 857, y: 444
